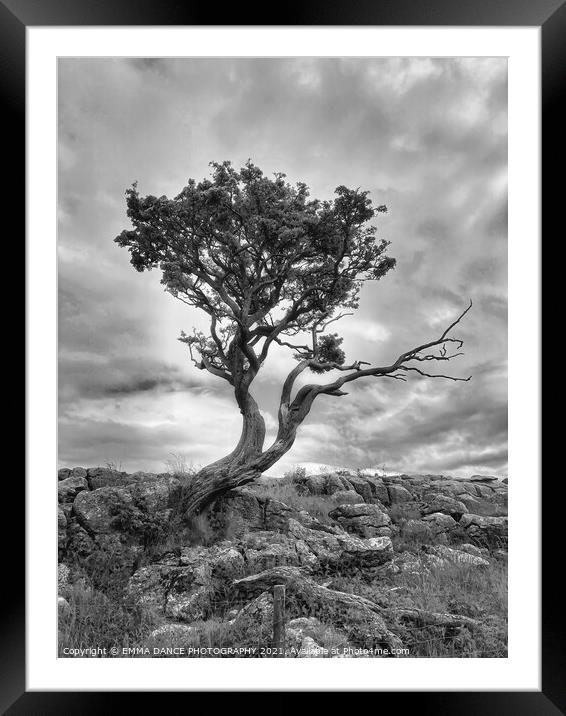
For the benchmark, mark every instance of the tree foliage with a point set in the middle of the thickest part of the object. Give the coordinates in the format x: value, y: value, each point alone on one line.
x: 262, y: 258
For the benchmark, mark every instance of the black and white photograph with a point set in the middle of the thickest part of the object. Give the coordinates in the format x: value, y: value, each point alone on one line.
x: 282, y: 357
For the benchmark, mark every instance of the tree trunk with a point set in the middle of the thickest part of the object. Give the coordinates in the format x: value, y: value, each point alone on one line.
x: 244, y: 464
x: 237, y: 468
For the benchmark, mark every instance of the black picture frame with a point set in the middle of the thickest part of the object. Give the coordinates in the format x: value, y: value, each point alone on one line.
x: 15, y: 17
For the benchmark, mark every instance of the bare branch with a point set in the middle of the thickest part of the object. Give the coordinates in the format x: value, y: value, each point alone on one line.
x: 216, y: 339
x: 303, y: 348
x: 309, y: 392
x: 323, y: 326
x: 435, y: 375
x: 451, y: 326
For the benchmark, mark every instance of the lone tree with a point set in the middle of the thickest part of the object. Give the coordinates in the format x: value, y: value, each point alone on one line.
x: 268, y: 265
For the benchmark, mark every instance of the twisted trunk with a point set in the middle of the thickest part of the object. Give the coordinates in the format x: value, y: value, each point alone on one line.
x: 248, y: 460
x: 244, y: 464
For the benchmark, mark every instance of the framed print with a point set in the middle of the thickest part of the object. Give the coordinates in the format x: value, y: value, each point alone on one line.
x: 282, y: 286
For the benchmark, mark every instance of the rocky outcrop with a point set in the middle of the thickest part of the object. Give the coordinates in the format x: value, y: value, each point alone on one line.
x: 241, y: 508
x: 97, y: 511
x: 342, y: 549
x: 390, y: 490
x: 359, y: 617
x: 362, y: 486
x: 70, y: 487
x: 61, y: 532
x: 342, y: 485
x: 423, y: 617
x: 399, y: 494
x: 258, y: 612
x: 439, y: 522
x: 263, y: 550
x: 449, y: 555
x: 367, y: 520
x: 300, y: 641
x: 313, y: 484
x: 490, y: 532
x: 446, y: 505
x: 172, y: 632
x: 346, y: 497
x: 185, y: 586
x: 432, y: 558
x: 262, y: 541
x: 66, y: 472
x: 472, y: 549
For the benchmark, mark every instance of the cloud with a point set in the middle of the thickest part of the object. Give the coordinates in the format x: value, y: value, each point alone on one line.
x: 426, y: 136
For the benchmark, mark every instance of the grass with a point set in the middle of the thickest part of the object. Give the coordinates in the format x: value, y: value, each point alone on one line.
x: 317, y: 506
x: 479, y: 593
x: 214, y: 637
x: 404, y: 511
x: 93, y: 619
x: 178, y: 466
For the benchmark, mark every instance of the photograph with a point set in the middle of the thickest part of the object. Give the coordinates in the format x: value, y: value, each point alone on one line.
x: 282, y: 357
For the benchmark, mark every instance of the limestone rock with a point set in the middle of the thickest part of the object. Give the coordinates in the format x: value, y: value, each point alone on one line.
x: 357, y: 616
x: 276, y: 515
x: 263, y: 550
x: 310, y: 484
x: 346, y: 496
x: 309, y: 649
x: 241, y: 507
x: 342, y: 548
x: 406, y: 562
x: 61, y: 531
x: 472, y: 549
x: 336, y: 483
x: 445, y: 504
x: 63, y: 573
x: 63, y: 606
x: 70, y: 487
x: 398, y: 494
x: 458, y: 556
x: 80, y: 544
x: 259, y: 611
x: 440, y: 522
x: 96, y: 510
x: 174, y: 632
x: 105, y: 477
x: 184, y: 587
x: 66, y: 472
x: 361, y: 486
x: 485, y: 491
x: 367, y: 520
x: 378, y: 489
x: 490, y: 532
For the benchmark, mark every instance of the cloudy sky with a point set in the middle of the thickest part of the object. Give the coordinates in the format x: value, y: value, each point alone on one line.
x: 427, y: 137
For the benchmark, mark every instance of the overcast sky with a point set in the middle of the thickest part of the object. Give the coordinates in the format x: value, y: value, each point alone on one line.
x: 428, y: 138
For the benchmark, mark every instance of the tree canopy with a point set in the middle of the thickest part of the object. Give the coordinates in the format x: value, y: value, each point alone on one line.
x: 262, y: 258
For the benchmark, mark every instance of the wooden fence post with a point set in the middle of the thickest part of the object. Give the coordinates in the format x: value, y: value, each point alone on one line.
x: 279, y: 620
